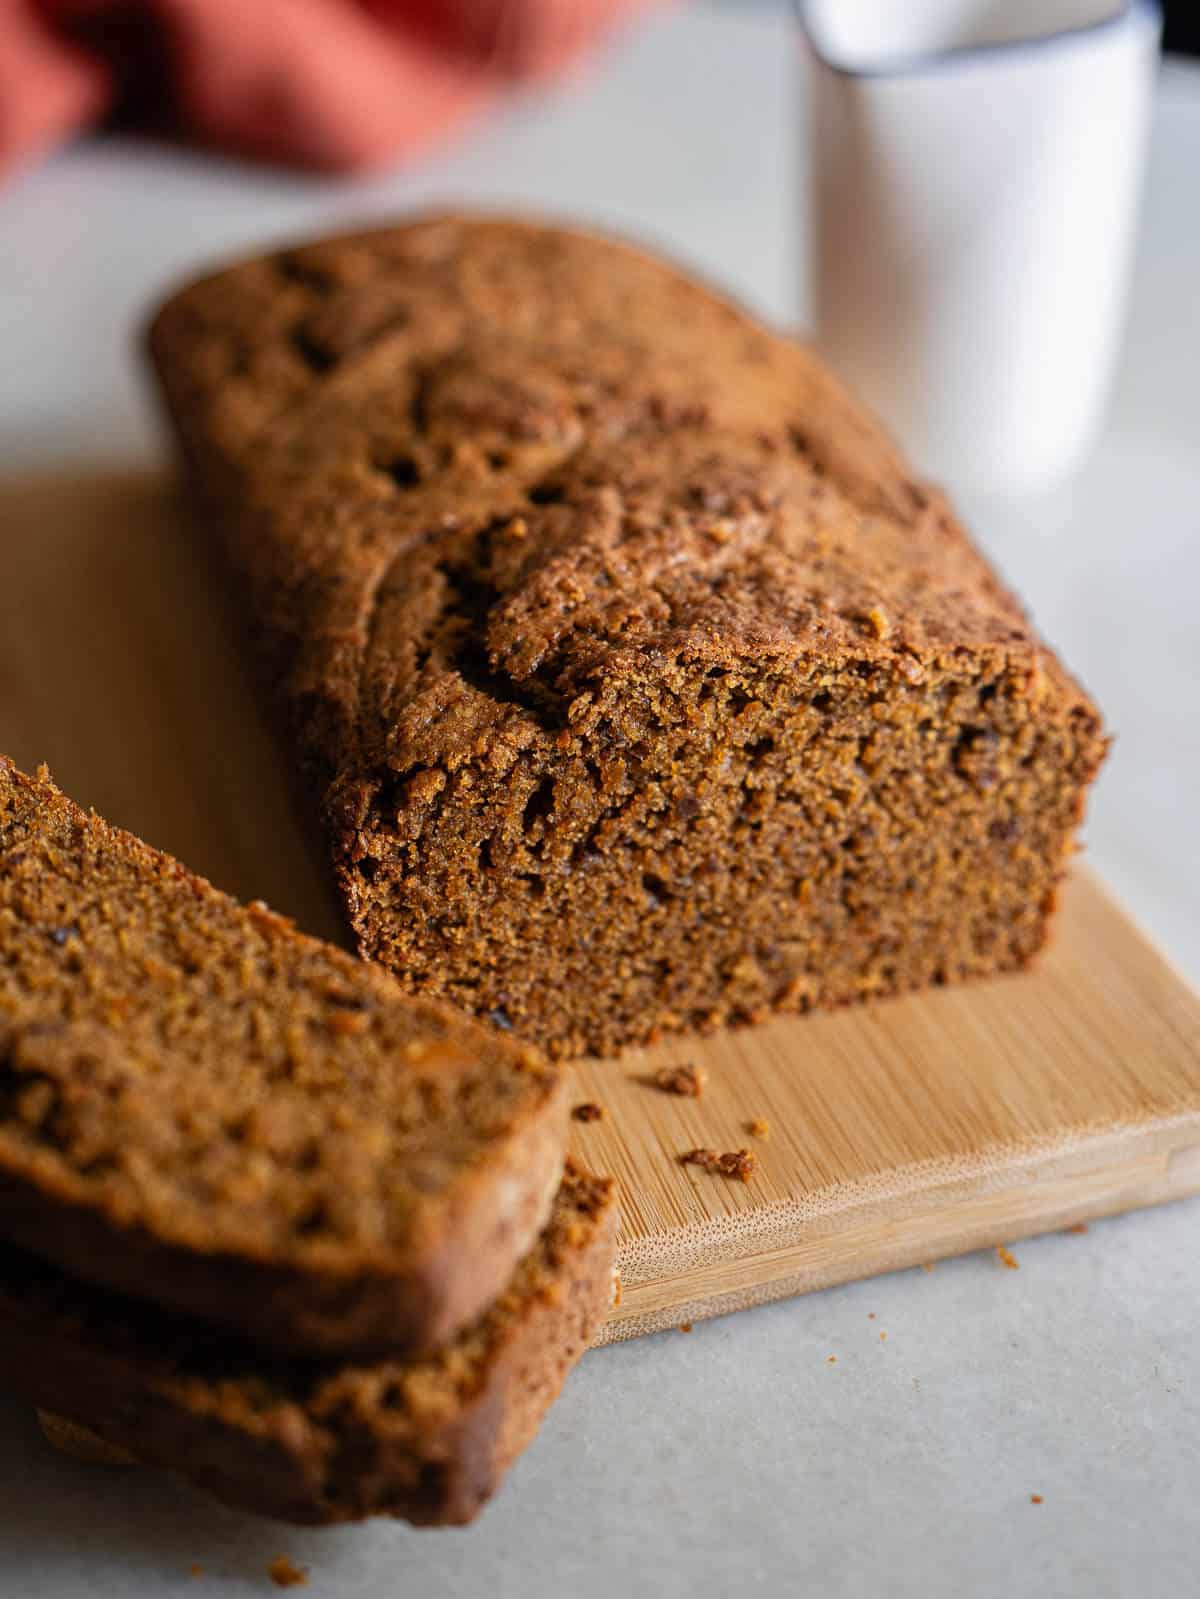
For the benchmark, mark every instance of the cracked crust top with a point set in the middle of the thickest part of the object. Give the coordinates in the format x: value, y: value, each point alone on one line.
x: 367, y: 407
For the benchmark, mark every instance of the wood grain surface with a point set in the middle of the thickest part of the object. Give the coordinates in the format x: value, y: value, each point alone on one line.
x: 899, y: 1132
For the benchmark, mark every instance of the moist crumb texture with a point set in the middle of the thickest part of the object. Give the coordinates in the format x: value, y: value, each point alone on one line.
x: 424, y: 1438
x: 639, y: 685
x: 199, y: 1105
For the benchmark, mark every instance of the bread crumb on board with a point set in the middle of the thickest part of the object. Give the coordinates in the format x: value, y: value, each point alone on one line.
x: 1007, y: 1258
x: 685, y: 1326
x: 1079, y: 1227
x: 739, y: 1163
x: 831, y: 1360
x: 589, y: 1112
x: 286, y: 1575
x: 687, y: 1080
x: 759, y: 1127
x: 1036, y: 1499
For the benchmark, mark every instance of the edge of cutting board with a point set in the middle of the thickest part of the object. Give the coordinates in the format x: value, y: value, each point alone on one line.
x: 1106, y: 1177
x: 906, y: 1131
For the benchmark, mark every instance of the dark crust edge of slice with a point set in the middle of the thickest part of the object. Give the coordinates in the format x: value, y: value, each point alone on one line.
x: 408, y: 1306
x: 295, y: 1467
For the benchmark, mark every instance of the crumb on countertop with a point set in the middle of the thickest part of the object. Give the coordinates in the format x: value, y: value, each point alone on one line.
x: 1007, y: 1258
x: 738, y: 1163
x: 195, y: 1569
x: 685, y: 1326
x: 589, y: 1112
x: 926, y: 1265
x: 883, y: 1338
x: 286, y: 1575
x: 1036, y: 1499
x: 831, y: 1360
x: 1079, y: 1227
x: 759, y: 1127
x: 687, y: 1080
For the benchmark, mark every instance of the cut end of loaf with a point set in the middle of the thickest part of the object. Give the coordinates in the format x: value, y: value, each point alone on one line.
x: 713, y: 744
x: 775, y: 842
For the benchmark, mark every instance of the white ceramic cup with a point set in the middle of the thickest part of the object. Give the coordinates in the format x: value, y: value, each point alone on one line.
x: 975, y: 173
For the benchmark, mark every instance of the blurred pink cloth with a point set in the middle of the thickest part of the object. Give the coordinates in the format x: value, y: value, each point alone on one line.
x: 339, y: 85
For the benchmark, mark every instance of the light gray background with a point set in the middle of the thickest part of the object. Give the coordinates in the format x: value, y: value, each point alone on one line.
x: 736, y: 1459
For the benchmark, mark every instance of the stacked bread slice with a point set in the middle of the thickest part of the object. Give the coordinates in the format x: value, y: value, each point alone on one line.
x: 266, y: 1220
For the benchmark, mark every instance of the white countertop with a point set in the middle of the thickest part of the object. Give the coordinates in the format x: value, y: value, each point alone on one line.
x: 736, y: 1459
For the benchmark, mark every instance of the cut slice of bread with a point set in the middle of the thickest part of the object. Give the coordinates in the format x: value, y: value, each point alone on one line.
x: 427, y: 1439
x: 201, y: 1107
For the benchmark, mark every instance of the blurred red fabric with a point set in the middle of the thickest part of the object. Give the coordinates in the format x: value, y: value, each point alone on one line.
x: 339, y: 85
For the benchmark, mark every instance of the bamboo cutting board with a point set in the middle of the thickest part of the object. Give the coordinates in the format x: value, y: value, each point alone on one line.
x: 899, y: 1132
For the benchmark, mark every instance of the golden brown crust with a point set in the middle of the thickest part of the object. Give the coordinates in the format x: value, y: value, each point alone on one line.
x: 426, y: 1439
x: 203, y: 1107
x: 638, y: 683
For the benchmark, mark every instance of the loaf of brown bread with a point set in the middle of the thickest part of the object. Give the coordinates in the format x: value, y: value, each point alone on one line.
x: 638, y: 683
x: 203, y: 1108
x: 424, y: 1438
